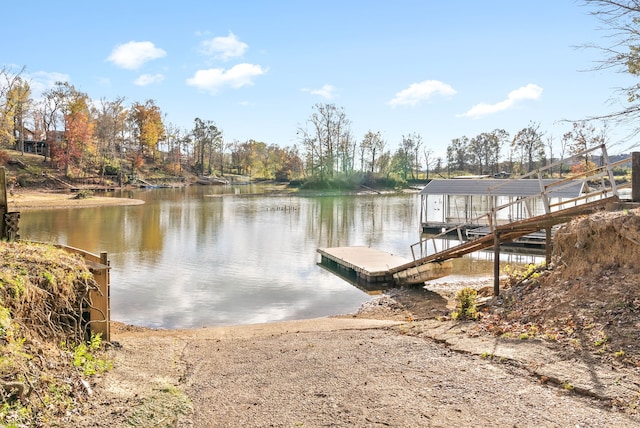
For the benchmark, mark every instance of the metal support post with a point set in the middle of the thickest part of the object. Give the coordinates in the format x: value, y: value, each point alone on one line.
x: 496, y: 264
x: 635, y: 176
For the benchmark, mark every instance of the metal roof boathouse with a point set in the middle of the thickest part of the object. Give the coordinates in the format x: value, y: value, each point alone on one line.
x: 459, y: 202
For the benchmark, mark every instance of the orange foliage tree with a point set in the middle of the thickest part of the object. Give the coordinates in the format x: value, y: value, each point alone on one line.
x: 77, y: 146
x: 147, y: 128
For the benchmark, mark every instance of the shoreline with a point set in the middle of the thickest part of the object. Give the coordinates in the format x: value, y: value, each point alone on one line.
x: 32, y: 200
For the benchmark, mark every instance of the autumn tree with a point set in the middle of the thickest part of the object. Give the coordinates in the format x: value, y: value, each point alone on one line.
x: 259, y: 159
x: 65, y: 106
x: 346, y: 153
x: 241, y: 153
x: 293, y: 167
x: 17, y: 107
x: 9, y: 80
x: 147, y: 130
x: 51, y: 110
x: 174, y: 144
x: 384, y: 163
x: 78, y: 131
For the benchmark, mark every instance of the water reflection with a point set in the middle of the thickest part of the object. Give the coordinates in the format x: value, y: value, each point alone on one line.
x: 209, y: 255
x: 216, y: 255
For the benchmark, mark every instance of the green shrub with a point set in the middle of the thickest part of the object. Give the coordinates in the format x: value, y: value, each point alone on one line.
x: 84, y: 194
x: 466, y: 304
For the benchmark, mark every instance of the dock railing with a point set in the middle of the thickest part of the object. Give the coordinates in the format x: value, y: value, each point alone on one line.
x: 597, y: 183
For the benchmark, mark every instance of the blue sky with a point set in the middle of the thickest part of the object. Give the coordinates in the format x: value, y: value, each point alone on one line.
x: 256, y: 68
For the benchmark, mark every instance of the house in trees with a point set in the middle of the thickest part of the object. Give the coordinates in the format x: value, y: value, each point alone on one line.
x: 37, y: 147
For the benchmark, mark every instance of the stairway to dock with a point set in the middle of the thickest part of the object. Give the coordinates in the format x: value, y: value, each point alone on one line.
x: 509, y: 232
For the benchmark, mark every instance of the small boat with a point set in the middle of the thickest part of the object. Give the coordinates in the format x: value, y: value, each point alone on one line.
x: 208, y: 181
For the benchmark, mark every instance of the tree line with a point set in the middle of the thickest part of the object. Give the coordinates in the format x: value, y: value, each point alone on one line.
x: 108, y: 137
x: 495, y: 152
x: 84, y: 138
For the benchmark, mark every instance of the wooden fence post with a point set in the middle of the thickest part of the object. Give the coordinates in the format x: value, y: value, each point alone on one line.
x: 101, y: 312
x: 4, y: 204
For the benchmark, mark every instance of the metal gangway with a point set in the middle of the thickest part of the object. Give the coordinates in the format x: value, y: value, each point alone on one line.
x: 600, y: 191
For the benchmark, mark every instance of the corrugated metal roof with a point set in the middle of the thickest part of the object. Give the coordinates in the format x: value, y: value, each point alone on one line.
x: 500, y: 187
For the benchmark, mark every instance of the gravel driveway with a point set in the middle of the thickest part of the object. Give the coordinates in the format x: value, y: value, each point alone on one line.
x: 330, y: 372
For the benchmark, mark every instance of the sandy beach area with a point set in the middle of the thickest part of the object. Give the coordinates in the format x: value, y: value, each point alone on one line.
x: 26, y: 200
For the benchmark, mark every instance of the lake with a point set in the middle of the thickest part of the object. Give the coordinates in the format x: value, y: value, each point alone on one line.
x: 219, y: 255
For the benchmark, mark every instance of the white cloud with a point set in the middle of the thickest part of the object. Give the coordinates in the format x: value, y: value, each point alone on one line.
x: 148, y: 79
x: 529, y: 92
x: 224, y: 47
x: 132, y: 55
x: 326, y: 92
x: 212, y: 79
x: 422, y: 91
x: 40, y: 81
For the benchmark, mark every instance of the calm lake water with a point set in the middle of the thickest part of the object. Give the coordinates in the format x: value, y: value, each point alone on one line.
x: 220, y: 255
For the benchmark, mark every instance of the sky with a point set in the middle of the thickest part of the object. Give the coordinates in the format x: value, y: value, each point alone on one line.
x: 439, y: 69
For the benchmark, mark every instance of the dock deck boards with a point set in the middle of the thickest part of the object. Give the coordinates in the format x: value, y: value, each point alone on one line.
x: 369, y: 263
x: 373, y: 266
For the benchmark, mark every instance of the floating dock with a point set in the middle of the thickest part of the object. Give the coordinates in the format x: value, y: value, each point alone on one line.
x: 371, y: 266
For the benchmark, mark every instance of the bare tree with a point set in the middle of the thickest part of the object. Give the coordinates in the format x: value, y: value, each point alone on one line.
x: 621, y: 19
x: 457, y: 155
x: 328, y: 142
x: 550, y: 147
x: 428, y: 160
x: 371, y: 146
x: 110, y: 121
x: 529, y: 143
x: 582, y: 137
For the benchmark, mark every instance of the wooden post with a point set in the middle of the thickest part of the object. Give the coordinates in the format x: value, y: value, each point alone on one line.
x: 548, y: 243
x: 4, y: 204
x: 635, y: 176
x: 496, y: 264
x: 100, y: 311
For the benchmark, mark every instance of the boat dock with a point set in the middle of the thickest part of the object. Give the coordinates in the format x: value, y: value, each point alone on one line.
x: 371, y: 266
x: 560, y: 200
